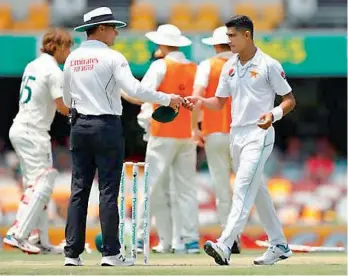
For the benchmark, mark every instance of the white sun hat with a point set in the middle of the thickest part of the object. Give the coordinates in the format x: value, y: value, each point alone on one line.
x: 168, y: 35
x: 219, y: 37
x: 99, y: 16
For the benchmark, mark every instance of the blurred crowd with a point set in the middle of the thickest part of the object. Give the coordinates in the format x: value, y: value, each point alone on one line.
x: 189, y: 15
x: 308, y: 183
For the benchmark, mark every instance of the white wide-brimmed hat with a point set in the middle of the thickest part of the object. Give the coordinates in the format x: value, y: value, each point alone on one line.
x: 168, y: 35
x: 99, y: 16
x: 219, y: 37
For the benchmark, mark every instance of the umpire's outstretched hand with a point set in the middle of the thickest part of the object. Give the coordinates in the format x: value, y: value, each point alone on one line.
x: 176, y: 101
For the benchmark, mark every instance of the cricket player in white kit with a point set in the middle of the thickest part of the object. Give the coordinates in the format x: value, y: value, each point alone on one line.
x: 40, y: 96
x: 252, y: 79
x: 215, y: 125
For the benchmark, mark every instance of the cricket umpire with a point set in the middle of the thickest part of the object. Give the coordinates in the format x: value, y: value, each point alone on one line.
x: 93, y: 78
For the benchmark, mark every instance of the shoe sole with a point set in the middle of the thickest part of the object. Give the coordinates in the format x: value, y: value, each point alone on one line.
x: 193, y: 251
x: 281, y: 258
x: 212, y: 253
x: 72, y: 265
x: 106, y: 264
x: 10, y: 243
x: 15, y: 245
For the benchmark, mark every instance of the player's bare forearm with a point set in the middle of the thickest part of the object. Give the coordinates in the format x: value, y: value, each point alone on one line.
x: 61, y: 107
x: 215, y: 103
x: 288, y: 103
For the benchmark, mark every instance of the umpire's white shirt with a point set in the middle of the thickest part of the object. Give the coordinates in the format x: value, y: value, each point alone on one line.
x: 94, y: 75
x: 253, y: 87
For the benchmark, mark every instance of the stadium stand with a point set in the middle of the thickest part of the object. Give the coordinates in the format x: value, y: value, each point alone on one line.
x: 5, y: 17
x: 38, y: 18
x: 190, y: 15
x: 142, y: 17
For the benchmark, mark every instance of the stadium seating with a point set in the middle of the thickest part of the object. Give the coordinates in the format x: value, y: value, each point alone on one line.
x: 266, y: 16
x: 142, y: 17
x: 207, y: 17
x: 247, y: 8
x: 273, y: 14
x: 182, y: 16
x: 38, y: 18
x: 5, y: 17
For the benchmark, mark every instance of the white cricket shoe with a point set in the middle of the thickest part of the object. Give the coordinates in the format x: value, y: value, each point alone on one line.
x: 34, y: 237
x: 191, y: 247
x: 73, y: 261
x: 218, y: 251
x: 50, y: 249
x: 45, y: 249
x: 179, y: 249
x: 116, y: 260
x: 10, y: 240
x: 161, y: 249
x: 274, y: 254
x: 23, y: 245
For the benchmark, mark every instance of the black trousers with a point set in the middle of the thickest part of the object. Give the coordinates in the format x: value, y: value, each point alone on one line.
x: 96, y: 143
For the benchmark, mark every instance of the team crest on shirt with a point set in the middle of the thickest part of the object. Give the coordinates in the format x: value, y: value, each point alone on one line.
x: 253, y: 74
x: 283, y: 75
x: 231, y: 72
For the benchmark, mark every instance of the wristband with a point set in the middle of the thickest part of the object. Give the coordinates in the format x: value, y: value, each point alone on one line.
x: 277, y: 113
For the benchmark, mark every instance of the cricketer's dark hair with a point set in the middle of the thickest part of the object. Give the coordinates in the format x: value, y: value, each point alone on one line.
x: 241, y: 22
x: 91, y: 31
x: 94, y: 28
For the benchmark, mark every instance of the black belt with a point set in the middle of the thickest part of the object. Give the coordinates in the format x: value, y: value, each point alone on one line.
x: 104, y: 116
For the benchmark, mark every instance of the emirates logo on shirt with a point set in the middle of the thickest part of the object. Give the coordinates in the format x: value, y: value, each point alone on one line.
x: 231, y: 72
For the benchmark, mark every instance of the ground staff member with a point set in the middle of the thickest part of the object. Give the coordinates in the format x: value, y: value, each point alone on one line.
x: 171, y: 149
x: 93, y: 78
x: 252, y: 79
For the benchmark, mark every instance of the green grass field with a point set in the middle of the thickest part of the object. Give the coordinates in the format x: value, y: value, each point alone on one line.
x: 299, y: 264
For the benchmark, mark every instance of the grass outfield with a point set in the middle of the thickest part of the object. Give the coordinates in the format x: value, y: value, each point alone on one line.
x: 299, y: 264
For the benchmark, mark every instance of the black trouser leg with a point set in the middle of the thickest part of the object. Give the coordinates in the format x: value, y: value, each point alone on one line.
x: 81, y: 183
x: 109, y: 159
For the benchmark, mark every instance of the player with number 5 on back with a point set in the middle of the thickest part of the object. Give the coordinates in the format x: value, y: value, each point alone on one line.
x: 40, y: 96
x: 252, y: 79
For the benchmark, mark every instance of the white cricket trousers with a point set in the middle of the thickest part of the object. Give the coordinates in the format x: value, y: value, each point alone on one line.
x: 176, y: 218
x: 250, y: 148
x: 33, y: 148
x: 217, y: 150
